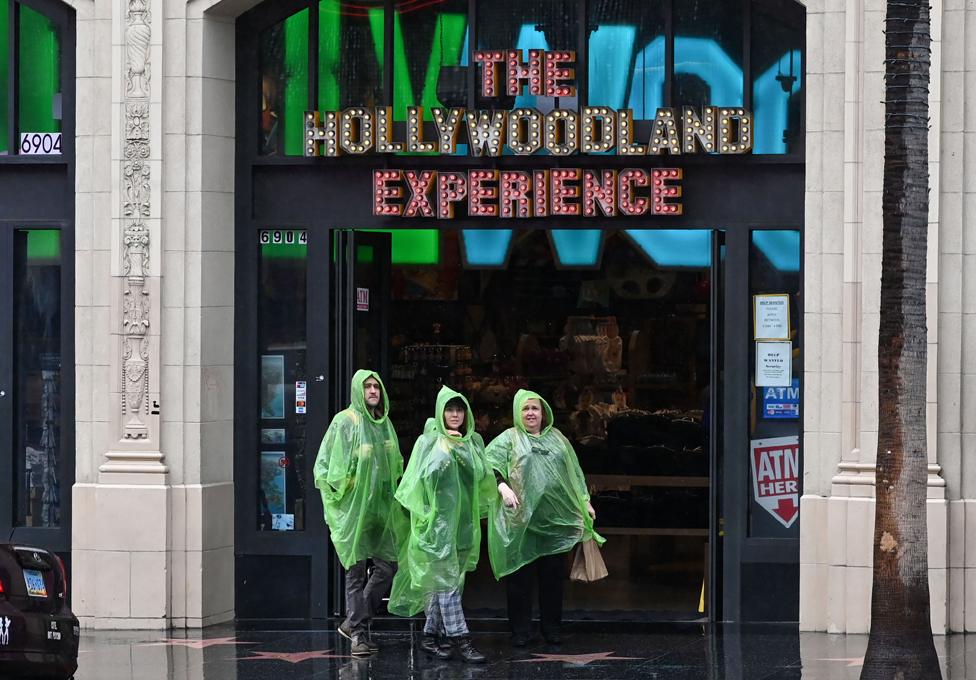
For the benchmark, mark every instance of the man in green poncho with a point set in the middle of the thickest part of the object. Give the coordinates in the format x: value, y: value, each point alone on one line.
x: 444, y: 489
x: 541, y: 511
x: 357, y: 470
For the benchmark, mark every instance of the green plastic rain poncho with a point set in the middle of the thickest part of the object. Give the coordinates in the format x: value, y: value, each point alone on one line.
x: 357, y: 470
x: 544, y: 473
x: 444, y: 488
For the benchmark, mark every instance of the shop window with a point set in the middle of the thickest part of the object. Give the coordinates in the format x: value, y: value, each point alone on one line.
x: 527, y: 25
x: 283, y: 451
x: 350, y: 46
x: 775, y: 483
x: 38, y: 377
x: 619, y: 345
x: 626, y: 56
x: 430, y: 65
x: 35, y: 58
x: 707, y: 53
x: 777, y: 80
x: 284, y: 86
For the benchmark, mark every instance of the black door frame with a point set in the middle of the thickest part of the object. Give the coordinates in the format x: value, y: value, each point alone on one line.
x: 319, y: 193
x: 38, y: 192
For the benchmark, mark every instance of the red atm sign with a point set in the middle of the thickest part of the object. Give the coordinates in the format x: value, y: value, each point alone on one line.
x: 776, y: 477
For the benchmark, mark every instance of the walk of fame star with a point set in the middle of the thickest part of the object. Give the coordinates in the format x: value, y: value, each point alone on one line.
x: 577, y: 659
x: 197, y: 644
x: 293, y: 657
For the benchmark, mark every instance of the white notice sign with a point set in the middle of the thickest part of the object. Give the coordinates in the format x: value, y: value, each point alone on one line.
x: 774, y: 364
x: 772, y: 317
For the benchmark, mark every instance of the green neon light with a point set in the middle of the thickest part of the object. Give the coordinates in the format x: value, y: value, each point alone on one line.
x: 284, y: 251
x: 330, y: 44
x: 43, y: 245
x: 445, y: 51
x: 40, y: 72
x: 413, y: 246
x: 4, y: 70
x: 296, y: 81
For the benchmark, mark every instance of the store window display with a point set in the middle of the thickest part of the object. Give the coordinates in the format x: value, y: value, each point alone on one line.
x: 621, y: 347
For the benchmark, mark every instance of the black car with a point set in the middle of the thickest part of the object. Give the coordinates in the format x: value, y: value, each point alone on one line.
x: 38, y: 632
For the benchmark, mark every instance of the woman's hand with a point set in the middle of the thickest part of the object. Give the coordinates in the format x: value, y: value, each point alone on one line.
x: 454, y: 433
x: 590, y: 510
x: 508, y: 496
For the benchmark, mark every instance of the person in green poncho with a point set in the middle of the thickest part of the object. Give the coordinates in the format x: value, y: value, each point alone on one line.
x: 444, y: 489
x: 542, y: 509
x: 357, y: 470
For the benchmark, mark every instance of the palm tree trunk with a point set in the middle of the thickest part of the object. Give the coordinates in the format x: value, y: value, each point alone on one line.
x: 901, y: 645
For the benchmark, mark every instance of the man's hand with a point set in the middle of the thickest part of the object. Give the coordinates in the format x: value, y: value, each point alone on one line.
x: 590, y: 510
x: 508, y: 496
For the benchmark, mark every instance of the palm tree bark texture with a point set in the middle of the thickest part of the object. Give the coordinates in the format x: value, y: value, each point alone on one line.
x: 900, y: 644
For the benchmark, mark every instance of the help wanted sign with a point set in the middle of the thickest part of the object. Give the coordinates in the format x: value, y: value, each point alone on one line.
x: 776, y: 476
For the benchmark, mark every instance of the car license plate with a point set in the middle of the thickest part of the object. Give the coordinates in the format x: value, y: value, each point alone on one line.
x: 35, y: 583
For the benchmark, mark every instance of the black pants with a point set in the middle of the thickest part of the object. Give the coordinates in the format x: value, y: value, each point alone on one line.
x: 364, y: 597
x: 549, y: 571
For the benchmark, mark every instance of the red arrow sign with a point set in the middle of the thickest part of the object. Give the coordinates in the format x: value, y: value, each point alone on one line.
x: 786, y: 508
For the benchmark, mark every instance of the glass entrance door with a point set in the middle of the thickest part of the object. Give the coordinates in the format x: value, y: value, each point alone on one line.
x: 35, y: 472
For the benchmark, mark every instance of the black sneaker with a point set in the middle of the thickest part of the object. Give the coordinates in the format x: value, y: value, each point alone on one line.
x: 519, y: 639
x: 553, y: 638
x: 467, y: 650
x: 358, y: 646
x: 433, y: 646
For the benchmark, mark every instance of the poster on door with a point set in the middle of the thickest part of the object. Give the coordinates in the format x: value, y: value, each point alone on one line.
x: 775, y: 464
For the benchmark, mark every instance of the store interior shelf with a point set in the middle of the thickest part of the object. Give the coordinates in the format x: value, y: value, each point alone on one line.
x: 650, y: 531
x: 648, y: 480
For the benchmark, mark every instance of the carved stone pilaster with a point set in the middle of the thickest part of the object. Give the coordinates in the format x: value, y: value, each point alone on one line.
x: 136, y: 450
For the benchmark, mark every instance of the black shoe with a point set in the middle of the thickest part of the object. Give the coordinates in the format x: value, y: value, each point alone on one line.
x: 553, y: 638
x: 467, y: 650
x: 432, y: 646
x: 519, y: 639
x: 358, y: 646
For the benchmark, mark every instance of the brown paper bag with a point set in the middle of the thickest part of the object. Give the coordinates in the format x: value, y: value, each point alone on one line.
x: 588, y: 564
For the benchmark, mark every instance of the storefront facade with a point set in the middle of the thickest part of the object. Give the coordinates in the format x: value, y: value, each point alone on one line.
x: 229, y: 276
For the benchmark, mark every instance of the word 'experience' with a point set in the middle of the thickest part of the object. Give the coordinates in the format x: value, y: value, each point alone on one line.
x: 561, y: 192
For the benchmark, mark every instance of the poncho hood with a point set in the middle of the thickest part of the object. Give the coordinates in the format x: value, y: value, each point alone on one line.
x: 358, y: 400
x: 444, y: 396
x: 523, y: 396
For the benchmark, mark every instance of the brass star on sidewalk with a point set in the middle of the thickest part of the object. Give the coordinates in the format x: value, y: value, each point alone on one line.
x: 197, y: 644
x: 577, y: 659
x: 293, y: 657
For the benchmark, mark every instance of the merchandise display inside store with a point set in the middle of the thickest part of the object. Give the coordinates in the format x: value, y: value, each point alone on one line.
x: 620, y: 352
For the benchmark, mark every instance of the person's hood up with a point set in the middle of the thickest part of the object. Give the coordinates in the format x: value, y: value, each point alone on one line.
x: 520, y: 398
x: 444, y: 396
x: 358, y: 399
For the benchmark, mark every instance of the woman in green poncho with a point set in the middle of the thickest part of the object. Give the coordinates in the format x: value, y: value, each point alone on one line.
x: 444, y: 489
x: 357, y: 470
x: 541, y: 511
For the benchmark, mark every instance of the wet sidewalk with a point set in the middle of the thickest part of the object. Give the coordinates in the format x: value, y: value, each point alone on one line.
x: 253, y: 651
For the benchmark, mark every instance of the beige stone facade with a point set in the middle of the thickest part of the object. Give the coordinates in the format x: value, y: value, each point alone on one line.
x: 153, y: 508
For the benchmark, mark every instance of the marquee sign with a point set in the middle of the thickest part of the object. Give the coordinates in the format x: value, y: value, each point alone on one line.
x: 524, y: 132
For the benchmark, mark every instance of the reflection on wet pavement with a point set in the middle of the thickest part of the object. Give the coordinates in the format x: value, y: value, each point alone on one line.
x: 249, y: 651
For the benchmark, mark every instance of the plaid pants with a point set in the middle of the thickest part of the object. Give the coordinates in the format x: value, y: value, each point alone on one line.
x: 444, y: 615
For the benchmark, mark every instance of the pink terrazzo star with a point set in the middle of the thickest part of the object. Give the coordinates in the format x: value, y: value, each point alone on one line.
x: 293, y: 657
x: 578, y: 659
x: 198, y: 644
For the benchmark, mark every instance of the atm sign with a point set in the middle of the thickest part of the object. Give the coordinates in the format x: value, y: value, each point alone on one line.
x: 776, y: 477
